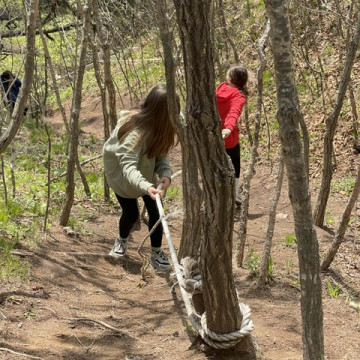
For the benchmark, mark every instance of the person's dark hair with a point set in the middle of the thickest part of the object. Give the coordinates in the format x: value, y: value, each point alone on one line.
x: 7, y: 75
x: 153, y: 122
x: 237, y: 75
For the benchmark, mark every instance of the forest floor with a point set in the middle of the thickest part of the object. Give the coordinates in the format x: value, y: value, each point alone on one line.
x: 79, y: 303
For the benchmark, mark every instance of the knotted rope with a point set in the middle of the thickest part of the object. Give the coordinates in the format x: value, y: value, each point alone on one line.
x: 189, y: 279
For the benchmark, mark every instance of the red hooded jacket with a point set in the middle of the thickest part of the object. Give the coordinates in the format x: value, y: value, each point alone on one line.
x: 230, y: 102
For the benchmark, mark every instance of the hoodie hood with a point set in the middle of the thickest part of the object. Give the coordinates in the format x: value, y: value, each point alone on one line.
x: 225, y: 92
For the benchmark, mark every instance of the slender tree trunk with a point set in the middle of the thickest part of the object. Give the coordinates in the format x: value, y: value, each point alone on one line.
x: 264, y: 266
x: 192, y: 194
x: 74, y: 121
x: 245, y: 196
x: 220, y: 298
x: 105, y: 42
x: 18, y: 113
x: 104, y: 109
x: 62, y: 109
x: 288, y: 117
x: 331, y: 123
x: 339, y: 236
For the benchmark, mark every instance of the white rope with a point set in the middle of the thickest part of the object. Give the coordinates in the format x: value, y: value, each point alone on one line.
x: 217, y: 341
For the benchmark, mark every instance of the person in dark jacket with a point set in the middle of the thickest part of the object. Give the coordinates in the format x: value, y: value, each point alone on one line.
x: 11, y: 88
x: 231, y: 99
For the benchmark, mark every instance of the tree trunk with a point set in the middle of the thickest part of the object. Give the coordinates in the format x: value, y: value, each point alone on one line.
x: 18, y: 113
x: 288, y: 117
x: 331, y: 123
x: 245, y: 196
x: 61, y: 107
x: 74, y: 120
x: 192, y: 193
x: 264, y: 266
x: 203, y: 126
x: 339, y: 237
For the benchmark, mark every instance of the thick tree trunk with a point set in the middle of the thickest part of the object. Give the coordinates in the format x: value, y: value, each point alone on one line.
x: 18, y: 113
x: 203, y: 126
x: 192, y: 193
x: 288, y: 117
x: 74, y: 121
x: 331, y: 123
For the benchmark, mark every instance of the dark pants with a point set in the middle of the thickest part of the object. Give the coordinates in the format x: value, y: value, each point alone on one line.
x: 234, y: 154
x: 130, y: 213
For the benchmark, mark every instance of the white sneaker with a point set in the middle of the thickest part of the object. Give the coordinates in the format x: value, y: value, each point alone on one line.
x: 119, y: 248
x: 160, y: 261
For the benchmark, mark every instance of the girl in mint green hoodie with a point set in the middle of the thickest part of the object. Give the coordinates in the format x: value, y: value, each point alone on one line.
x: 135, y: 160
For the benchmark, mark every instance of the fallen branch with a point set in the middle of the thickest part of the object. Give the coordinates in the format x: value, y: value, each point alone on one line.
x: 106, y: 326
x: 21, y: 354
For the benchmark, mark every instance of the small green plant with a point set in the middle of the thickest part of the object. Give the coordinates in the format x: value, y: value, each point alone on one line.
x: 30, y: 313
x: 172, y: 193
x: 290, y: 240
x: 343, y: 186
x: 330, y: 221
x: 289, y: 264
x: 333, y: 291
x: 253, y: 263
x: 271, y: 267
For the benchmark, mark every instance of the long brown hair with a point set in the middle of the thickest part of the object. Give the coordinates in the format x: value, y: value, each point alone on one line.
x: 153, y: 122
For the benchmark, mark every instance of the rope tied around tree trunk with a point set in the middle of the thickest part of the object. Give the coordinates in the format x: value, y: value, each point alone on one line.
x: 189, y: 280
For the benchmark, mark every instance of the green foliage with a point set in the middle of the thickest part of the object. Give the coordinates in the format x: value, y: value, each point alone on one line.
x: 343, y: 186
x: 10, y: 266
x: 330, y: 221
x: 333, y: 291
x: 290, y: 240
x: 289, y: 264
x: 271, y: 267
x: 172, y: 192
x: 252, y: 263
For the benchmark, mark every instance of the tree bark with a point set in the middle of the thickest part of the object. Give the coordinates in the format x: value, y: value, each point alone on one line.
x: 62, y: 109
x: 18, y: 112
x: 74, y: 120
x: 288, y: 116
x: 339, y: 237
x: 203, y: 126
x: 264, y: 266
x: 192, y: 193
x: 245, y: 196
x: 331, y: 123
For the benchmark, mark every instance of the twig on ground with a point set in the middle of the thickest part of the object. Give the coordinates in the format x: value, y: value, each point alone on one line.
x: 51, y: 310
x: 21, y: 354
x: 106, y: 326
x: 3, y: 315
x: 18, y: 253
x: 87, y: 348
x: 354, y: 305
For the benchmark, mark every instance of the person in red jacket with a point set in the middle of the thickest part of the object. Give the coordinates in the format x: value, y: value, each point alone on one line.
x: 231, y: 99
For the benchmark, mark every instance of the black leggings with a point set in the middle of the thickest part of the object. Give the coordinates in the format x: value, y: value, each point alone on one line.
x: 234, y: 154
x: 130, y: 213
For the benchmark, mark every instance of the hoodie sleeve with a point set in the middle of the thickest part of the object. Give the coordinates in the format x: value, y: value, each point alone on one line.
x: 162, y: 167
x: 237, y: 103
